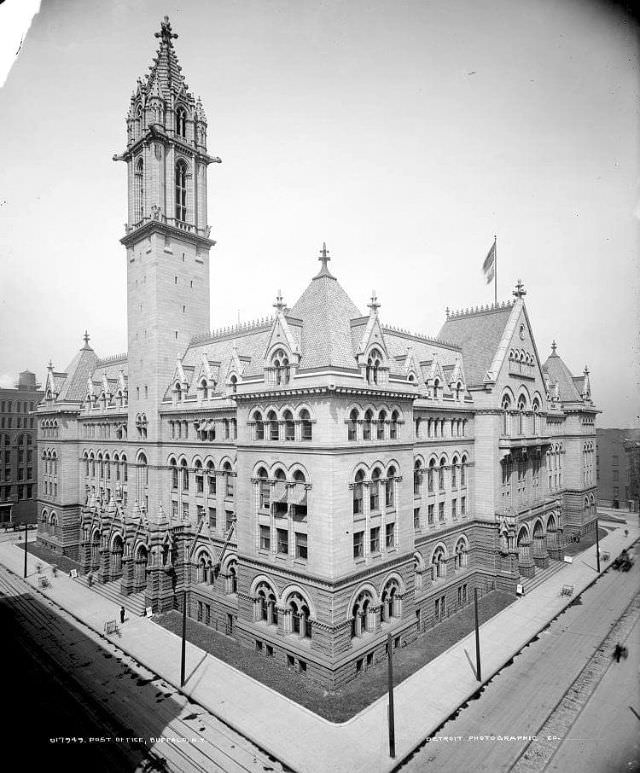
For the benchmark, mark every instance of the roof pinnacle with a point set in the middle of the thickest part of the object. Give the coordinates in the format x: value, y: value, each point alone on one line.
x: 374, y: 305
x: 554, y: 346
x: 519, y: 292
x: 324, y: 259
x: 165, y: 31
x: 85, y: 338
x: 280, y: 305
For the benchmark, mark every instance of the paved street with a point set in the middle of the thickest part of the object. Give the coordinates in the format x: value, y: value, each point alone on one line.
x: 114, y: 696
x: 517, y: 702
x: 605, y: 736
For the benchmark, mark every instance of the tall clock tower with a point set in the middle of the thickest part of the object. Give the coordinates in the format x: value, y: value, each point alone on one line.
x: 167, y: 236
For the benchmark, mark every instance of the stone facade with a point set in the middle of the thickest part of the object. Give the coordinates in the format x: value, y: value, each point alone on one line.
x: 311, y: 482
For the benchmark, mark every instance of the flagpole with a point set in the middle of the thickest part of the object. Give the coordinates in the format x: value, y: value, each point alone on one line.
x: 495, y: 265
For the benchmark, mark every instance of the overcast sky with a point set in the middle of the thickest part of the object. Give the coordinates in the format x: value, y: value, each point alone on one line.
x: 404, y: 133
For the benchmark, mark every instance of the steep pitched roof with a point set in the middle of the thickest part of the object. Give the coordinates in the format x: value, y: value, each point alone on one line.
x: 560, y: 374
x: 326, y: 312
x: 79, y: 370
x: 165, y: 78
x: 478, y: 333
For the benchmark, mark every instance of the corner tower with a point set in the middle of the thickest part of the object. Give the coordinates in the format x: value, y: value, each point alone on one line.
x: 167, y: 235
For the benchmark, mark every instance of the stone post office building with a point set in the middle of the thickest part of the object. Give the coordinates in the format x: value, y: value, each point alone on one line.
x: 313, y: 481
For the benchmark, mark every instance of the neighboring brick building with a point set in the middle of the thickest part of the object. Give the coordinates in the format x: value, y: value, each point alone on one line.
x: 315, y: 480
x: 18, y: 451
x: 615, y: 465
x: 632, y: 454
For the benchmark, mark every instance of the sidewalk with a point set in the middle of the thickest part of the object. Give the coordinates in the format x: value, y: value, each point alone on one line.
x: 300, y: 739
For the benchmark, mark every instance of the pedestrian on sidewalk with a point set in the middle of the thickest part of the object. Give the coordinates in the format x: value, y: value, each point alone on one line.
x: 121, y: 614
x: 90, y: 579
x: 618, y: 652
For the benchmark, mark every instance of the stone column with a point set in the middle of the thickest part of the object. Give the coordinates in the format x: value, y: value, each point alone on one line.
x: 540, y: 554
x: 104, y: 573
x: 526, y: 564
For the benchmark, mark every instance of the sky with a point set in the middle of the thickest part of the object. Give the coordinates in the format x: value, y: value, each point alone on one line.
x: 404, y: 133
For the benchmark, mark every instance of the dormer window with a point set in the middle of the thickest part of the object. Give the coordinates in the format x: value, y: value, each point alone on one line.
x: 281, y: 367
x: 436, y: 389
x: 204, y: 391
x: 234, y: 384
x: 181, y: 122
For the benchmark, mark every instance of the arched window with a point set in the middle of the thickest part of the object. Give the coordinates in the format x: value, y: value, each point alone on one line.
x: 461, y: 557
x: 536, y: 417
x: 116, y: 465
x: 139, y: 189
x: 257, y: 417
x: 86, y: 464
x: 265, y: 604
x: 390, y: 495
x: 373, y: 365
x: 234, y: 384
x: 382, y: 418
x: 374, y: 491
x: 211, y: 479
x: 438, y: 564
x: 361, y: 617
x: 352, y: 425
x: 273, y: 425
x: 357, y: 493
x: 281, y: 367
x: 390, y: 601
x: 417, y: 478
x: 305, y: 420
x: 181, y: 191
x: 393, y: 426
x: 181, y: 122
x: 185, y: 475
x: 264, y: 489
x: 107, y: 467
x: 299, y: 614
x: 506, y: 418
x: 289, y: 426
x: 100, y: 466
x: 522, y: 404
x: 229, y: 483
x: 441, y: 474
x: 436, y: 389
x: 199, y: 477
x: 454, y: 472
x: 366, y: 426
x: 125, y: 474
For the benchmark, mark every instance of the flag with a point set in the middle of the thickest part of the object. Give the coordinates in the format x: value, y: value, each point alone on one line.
x: 489, y: 265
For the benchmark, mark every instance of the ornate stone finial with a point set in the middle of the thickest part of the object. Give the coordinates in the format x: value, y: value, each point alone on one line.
x: 554, y: 346
x: 165, y: 31
x: 324, y: 259
x: 519, y: 292
x: 447, y: 311
x: 279, y: 305
x: 586, y: 370
x: 374, y: 305
x: 85, y: 338
x: 50, y: 365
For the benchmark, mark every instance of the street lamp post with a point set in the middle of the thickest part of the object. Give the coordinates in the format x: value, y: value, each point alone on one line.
x: 597, y: 546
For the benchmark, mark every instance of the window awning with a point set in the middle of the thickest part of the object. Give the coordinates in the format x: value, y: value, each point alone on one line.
x: 279, y: 492
x: 298, y: 494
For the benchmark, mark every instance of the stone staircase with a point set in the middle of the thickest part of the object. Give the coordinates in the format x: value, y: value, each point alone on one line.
x: 111, y: 590
x: 529, y: 583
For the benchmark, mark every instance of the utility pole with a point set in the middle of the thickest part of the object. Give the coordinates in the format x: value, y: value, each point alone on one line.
x: 25, y: 550
x: 392, y: 730
x: 597, y: 546
x: 478, y: 667
x: 184, y: 635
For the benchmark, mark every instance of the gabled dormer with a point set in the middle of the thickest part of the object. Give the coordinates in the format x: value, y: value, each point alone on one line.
x: 282, y: 352
x: 179, y: 382
x: 434, y: 377
x: 410, y: 366
x: 235, y: 370
x: 206, y: 377
x: 457, y: 381
x: 372, y: 354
